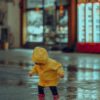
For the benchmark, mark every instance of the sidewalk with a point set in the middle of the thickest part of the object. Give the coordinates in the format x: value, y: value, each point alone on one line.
x: 80, y: 84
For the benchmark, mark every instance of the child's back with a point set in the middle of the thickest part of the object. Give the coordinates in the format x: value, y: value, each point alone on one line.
x: 49, y: 70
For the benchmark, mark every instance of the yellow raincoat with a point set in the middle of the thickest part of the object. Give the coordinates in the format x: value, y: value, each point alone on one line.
x: 49, y: 70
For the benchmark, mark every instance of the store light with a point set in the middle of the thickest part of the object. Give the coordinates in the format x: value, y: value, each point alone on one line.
x: 61, y: 9
x: 37, y: 9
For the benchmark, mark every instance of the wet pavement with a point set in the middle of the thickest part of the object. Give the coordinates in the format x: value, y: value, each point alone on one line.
x: 81, y: 81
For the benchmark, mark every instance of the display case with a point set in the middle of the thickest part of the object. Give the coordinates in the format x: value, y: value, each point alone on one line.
x: 88, y: 17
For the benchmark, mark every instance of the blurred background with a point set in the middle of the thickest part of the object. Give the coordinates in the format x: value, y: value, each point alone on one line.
x: 68, y: 29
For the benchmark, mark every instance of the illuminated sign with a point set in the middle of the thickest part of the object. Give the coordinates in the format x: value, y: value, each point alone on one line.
x: 89, y: 21
x: 96, y: 21
x: 81, y: 22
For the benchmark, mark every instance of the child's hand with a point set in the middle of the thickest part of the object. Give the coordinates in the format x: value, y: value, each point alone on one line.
x: 61, y: 75
x: 30, y: 74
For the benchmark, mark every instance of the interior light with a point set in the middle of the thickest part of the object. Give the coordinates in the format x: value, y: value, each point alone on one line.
x: 61, y: 9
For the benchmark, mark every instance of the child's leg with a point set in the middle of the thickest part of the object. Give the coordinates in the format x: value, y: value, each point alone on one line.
x: 40, y: 89
x: 54, y: 92
x: 41, y: 94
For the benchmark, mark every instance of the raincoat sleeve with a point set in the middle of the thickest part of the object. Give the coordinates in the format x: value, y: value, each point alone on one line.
x: 59, y: 68
x: 34, y: 70
x: 60, y: 71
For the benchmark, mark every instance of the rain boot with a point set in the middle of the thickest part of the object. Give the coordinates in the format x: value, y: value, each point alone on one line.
x: 41, y: 97
x: 55, y: 97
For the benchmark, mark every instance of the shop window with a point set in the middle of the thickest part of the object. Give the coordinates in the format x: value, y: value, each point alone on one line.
x: 43, y: 21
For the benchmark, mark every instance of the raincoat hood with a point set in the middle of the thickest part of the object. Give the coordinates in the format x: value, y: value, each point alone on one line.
x: 40, y: 55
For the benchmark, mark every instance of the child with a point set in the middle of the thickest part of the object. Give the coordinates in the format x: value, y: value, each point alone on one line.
x: 49, y: 71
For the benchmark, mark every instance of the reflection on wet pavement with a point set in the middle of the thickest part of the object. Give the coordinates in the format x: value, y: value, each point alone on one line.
x: 81, y: 81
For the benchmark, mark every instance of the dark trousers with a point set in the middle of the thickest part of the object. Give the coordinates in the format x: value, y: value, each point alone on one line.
x: 52, y: 88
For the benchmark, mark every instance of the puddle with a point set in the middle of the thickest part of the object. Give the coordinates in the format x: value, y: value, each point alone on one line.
x: 79, y: 84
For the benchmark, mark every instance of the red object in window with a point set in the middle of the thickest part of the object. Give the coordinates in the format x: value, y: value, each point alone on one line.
x: 47, y: 9
x: 37, y: 9
x: 61, y: 9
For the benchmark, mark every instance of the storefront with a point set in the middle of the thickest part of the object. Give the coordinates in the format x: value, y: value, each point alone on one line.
x: 88, y: 26
x: 45, y: 22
